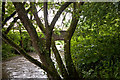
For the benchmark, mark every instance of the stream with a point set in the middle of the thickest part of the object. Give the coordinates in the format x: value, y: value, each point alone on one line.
x: 19, y: 67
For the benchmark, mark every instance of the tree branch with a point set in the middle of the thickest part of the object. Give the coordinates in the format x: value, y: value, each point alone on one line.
x: 9, y: 17
x: 69, y: 63
x: 40, y: 9
x: 11, y: 25
x: 48, y: 30
x: 28, y: 57
x: 62, y: 8
x: 22, y: 14
x: 34, y: 11
x: 62, y: 68
x: 46, y: 14
x: 37, y: 43
x: 64, y: 17
x: 3, y: 10
x: 75, y: 19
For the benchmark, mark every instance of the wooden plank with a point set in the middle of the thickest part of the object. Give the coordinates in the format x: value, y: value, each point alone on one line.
x: 59, y: 37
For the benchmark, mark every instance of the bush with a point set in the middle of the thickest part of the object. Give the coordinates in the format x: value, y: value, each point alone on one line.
x: 8, y: 51
x: 95, y: 45
x: 97, y: 57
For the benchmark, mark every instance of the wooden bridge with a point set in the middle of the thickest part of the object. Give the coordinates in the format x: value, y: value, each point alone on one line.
x: 59, y: 37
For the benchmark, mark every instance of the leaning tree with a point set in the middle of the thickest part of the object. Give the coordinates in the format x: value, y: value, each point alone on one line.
x: 20, y: 14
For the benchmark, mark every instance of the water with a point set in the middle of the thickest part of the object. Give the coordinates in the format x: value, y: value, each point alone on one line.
x: 19, y: 67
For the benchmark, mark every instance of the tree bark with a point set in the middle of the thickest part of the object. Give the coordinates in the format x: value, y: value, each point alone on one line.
x: 11, y: 25
x: 3, y: 11
x: 38, y: 21
x: 69, y: 62
x: 43, y: 49
x: 62, y: 68
x: 37, y: 43
x: 21, y: 40
x: 8, y: 18
x: 21, y: 51
x: 62, y: 8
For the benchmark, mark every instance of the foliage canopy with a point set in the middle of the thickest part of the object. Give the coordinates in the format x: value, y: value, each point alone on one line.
x: 93, y: 50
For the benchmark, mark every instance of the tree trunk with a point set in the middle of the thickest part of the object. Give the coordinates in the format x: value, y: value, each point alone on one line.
x: 21, y: 41
x: 62, y: 68
x: 37, y: 43
x: 73, y: 75
x: 43, y: 49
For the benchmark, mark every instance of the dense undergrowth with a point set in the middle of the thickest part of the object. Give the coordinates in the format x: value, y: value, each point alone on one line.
x: 24, y: 42
x: 95, y: 45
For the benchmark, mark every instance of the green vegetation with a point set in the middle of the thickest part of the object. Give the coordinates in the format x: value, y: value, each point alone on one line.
x: 95, y: 45
x: 91, y: 40
x: 8, y: 51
